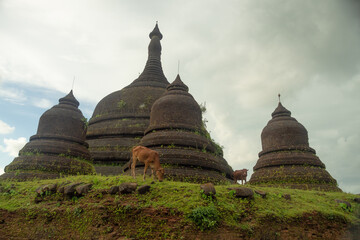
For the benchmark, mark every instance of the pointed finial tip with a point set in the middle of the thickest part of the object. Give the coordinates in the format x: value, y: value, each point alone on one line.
x: 156, y: 32
x: 178, y: 67
x: 279, y: 97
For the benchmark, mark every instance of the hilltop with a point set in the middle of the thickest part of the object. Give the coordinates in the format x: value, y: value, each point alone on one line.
x: 172, y: 210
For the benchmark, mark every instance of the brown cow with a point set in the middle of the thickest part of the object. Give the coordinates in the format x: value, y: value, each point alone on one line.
x: 240, y: 175
x: 149, y: 158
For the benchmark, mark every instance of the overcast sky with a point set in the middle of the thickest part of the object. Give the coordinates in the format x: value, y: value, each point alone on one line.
x: 234, y: 55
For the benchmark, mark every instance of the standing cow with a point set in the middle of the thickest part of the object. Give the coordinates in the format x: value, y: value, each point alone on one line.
x: 150, y: 158
x: 240, y: 175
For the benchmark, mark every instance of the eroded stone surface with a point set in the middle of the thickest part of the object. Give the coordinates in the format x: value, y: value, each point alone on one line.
x: 126, y: 188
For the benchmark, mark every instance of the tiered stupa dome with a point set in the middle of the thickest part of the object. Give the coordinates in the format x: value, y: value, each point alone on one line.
x: 58, y: 147
x: 120, y: 119
x: 176, y: 131
x: 287, y: 159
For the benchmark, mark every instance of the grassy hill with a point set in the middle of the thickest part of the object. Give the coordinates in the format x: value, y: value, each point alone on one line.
x: 172, y: 210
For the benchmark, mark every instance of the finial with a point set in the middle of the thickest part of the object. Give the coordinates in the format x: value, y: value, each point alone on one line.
x: 178, y: 85
x: 279, y: 97
x: 178, y: 66
x: 156, y: 32
x: 72, y: 87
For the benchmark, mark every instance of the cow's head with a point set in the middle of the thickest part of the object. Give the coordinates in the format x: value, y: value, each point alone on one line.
x: 160, y: 174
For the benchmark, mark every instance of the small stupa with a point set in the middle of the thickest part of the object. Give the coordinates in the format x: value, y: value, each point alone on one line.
x: 58, y: 148
x: 177, y: 132
x: 287, y: 159
x: 120, y: 119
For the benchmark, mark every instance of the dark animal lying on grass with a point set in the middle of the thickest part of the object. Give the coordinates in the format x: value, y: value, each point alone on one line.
x: 240, y: 175
x: 149, y: 158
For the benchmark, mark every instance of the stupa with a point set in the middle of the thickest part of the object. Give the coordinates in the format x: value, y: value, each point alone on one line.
x: 120, y: 119
x: 177, y: 132
x: 287, y: 159
x: 58, y: 147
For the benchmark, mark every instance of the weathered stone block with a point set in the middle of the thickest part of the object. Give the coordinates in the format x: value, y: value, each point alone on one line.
x: 126, y: 188
x: 143, y: 189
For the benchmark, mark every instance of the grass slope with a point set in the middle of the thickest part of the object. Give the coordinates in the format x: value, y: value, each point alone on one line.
x: 172, y: 210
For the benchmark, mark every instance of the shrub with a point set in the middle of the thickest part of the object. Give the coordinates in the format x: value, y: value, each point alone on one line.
x: 205, y: 217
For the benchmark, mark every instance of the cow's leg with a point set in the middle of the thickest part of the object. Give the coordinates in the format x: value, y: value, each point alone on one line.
x: 145, y: 169
x: 152, y: 173
x: 133, y: 164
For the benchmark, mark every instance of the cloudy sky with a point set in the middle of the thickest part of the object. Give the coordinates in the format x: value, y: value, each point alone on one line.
x: 234, y: 55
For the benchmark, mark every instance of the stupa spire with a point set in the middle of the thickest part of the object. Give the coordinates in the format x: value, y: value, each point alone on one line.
x: 153, y: 73
x: 69, y: 99
x: 178, y: 85
x: 280, y: 110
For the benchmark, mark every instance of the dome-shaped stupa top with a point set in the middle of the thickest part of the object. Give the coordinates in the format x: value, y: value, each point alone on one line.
x: 284, y: 132
x: 136, y: 99
x: 120, y: 119
x: 63, y: 121
x: 176, y: 109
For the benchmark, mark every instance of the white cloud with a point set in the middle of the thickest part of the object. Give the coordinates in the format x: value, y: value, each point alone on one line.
x: 13, y: 146
x: 42, y: 103
x: 5, y: 128
x: 1, y: 170
x: 12, y: 95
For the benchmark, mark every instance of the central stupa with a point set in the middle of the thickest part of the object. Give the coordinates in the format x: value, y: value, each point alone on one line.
x: 120, y: 119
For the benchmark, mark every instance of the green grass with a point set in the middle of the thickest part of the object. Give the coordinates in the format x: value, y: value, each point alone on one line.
x: 184, y: 199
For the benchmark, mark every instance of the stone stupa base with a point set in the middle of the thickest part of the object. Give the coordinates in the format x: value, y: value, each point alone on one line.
x: 108, y: 170
x: 28, y: 175
x: 45, y: 166
x: 191, y: 165
x: 184, y: 174
x: 298, y: 177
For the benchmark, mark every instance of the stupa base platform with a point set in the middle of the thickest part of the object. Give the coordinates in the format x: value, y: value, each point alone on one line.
x: 296, y: 176
x: 46, y: 166
x: 28, y: 175
x: 108, y: 170
x: 304, y: 186
x: 184, y: 174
